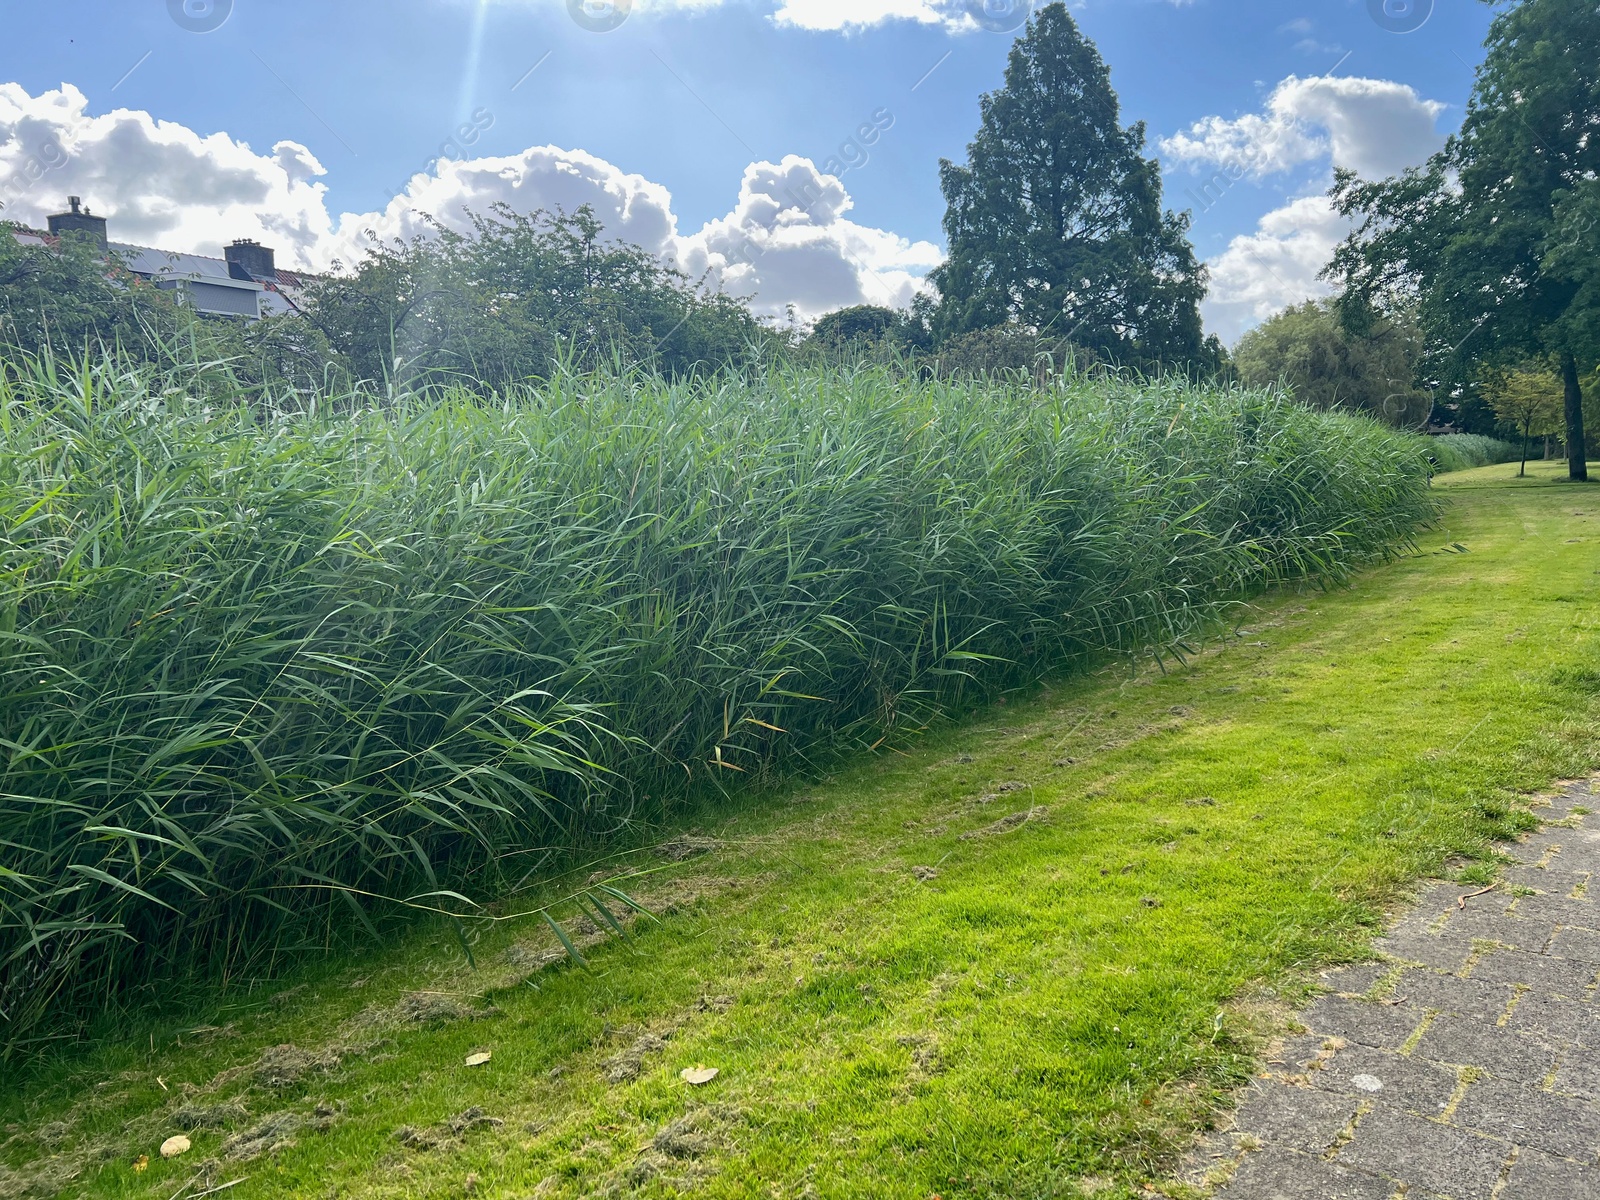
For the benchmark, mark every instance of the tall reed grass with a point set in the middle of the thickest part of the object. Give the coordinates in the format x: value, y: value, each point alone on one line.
x: 265, y: 668
x: 1463, y: 451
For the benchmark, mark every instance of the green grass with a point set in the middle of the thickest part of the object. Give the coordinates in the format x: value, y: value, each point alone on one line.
x: 1052, y: 1014
x: 267, y: 673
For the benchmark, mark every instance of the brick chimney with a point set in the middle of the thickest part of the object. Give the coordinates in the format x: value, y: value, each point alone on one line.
x: 80, y: 221
x: 251, y: 260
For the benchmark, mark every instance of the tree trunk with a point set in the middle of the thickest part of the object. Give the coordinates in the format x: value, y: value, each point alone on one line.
x: 1577, y: 457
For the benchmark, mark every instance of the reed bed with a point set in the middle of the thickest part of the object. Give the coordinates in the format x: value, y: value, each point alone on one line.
x: 267, y: 672
x: 1464, y: 451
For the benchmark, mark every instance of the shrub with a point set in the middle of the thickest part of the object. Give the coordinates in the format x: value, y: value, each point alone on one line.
x: 266, y: 667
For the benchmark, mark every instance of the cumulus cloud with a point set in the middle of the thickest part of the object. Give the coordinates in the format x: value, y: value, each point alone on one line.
x: 1264, y: 272
x: 786, y: 242
x: 164, y: 183
x: 956, y: 16
x: 1375, y: 127
x: 631, y: 208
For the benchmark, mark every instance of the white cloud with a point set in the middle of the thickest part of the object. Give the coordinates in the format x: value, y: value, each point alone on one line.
x: 1266, y: 271
x: 631, y: 208
x: 162, y: 182
x: 1376, y: 127
x: 956, y: 16
x: 846, y: 14
x: 786, y: 241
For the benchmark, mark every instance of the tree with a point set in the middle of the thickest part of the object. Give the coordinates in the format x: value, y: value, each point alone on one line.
x: 1487, y: 241
x: 514, y: 295
x: 1529, y: 399
x: 868, y: 323
x: 1328, y: 367
x: 1055, y: 223
x: 70, y: 295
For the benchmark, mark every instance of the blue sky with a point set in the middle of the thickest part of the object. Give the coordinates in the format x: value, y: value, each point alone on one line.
x: 669, y: 110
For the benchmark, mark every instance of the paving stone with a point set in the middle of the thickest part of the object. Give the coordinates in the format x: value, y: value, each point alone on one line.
x: 1421, y: 989
x: 1537, y: 1176
x: 1579, y: 1075
x: 1441, y: 952
x: 1526, y: 1012
x: 1295, y: 1118
x: 1535, y: 846
x: 1546, y: 973
x: 1296, y: 1052
x: 1560, y: 806
x: 1382, y: 1025
x: 1559, y: 882
x: 1515, y: 932
x: 1579, y: 945
x: 1356, y: 978
x: 1509, y: 1056
x: 1419, y: 1087
x: 1558, y: 910
x: 1557, y: 1125
x: 1557, y: 1019
x: 1437, y: 899
x: 1452, y: 1161
x: 1284, y: 1175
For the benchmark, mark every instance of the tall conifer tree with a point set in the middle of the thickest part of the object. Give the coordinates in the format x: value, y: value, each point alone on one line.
x: 1055, y: 223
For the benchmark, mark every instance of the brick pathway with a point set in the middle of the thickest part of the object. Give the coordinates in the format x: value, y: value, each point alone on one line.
x: 1467, y: 1066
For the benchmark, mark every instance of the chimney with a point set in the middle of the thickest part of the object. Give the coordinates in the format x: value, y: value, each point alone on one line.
x: 251, y: 260
x: 80, y: 221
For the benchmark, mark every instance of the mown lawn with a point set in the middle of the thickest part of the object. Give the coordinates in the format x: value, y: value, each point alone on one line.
x: 1029, y: 959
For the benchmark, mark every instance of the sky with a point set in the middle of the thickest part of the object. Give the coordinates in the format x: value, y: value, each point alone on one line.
x: 786, y: 150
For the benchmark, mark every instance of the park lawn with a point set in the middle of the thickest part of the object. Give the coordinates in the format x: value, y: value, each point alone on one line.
x: 1157, y: 865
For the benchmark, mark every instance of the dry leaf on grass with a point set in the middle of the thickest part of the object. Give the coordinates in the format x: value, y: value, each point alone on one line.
x: 175, y: 1146
x: 698, y: 1076
x: 478, y: 1059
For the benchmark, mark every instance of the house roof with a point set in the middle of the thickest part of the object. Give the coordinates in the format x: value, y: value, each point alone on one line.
x: 158, y: 264
x: 154, y: 263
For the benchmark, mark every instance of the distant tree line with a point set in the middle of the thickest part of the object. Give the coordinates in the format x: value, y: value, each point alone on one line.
x: 1061, y: 255
x: 1466, y: 286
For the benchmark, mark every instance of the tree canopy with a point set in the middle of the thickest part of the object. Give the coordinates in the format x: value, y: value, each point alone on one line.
x: 516, y: 293
x: 1329, y: 367
x: 1055, y: 221
x: 1492, y: 243
x: 1528, y: 400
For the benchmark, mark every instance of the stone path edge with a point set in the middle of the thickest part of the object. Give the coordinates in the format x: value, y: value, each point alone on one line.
x: 1463, y: 1065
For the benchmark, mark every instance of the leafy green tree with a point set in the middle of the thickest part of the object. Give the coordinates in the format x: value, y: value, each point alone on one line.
x: 1493, y: 241
x: 70, y: 296
x: 1328, y: 367
x: 1529, y: 400
x: 860, y: 323
x: 1055, y: 222
x: 515, y: 295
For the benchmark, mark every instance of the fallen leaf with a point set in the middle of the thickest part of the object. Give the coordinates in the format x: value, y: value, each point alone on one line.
x: 698, y: 1075
x: 141, y: 1163
x: 175, y: 1146
x: 478, y: 1059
